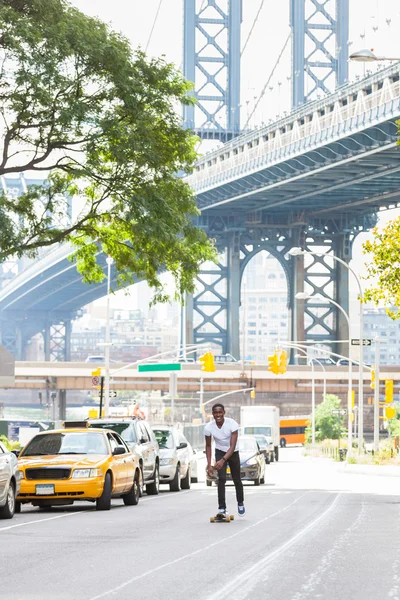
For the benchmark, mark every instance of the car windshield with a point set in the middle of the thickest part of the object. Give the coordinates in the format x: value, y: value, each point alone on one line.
x: 125, y: 430
x: 262, y: 441
x: 257, y: 430
x: 164, y: 438
x: 66, y: 443
x: 247, y: 445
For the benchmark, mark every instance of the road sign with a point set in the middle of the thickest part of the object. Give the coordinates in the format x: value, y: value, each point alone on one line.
x: 95, y: 381
x: 356, y: 342
x: 341, y: 411
x: 160, y: 367
x: 111, y: 393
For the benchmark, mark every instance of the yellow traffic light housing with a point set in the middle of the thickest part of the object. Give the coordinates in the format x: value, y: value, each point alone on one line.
x: 283, y: 362
x: 96, y: 373
x: 253, y: 394
x: 273, y: 363
x: 390, y: 412
x: 389, y: 391
x: 372, y: 378
x: 207, y: 362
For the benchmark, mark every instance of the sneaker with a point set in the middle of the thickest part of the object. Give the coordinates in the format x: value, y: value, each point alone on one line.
x: 221, y: 511
x: 241, y: 509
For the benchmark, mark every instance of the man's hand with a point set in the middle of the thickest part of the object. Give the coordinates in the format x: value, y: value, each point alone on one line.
x: 210, y: 471
x: 219, y: 464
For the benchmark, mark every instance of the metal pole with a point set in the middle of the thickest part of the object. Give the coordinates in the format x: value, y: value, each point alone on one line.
x: 107, y: 348
x: 361, y: 379
x: 101, y: 395
x: 244, y: 326
x: 172, y: 393
x: 312, y: 404
x: 349, y: 404
x: 201, y: 397
x: 376, y: 395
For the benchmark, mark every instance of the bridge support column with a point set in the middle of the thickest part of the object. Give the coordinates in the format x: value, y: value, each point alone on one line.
x: 57, y: 341
x: 62, y: 404
x: 233, y: 329
x: 343, y: 251
x: 296, y: 307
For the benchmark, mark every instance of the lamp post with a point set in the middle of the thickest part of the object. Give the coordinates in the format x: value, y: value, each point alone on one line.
x: 365, y: 55
x: 109, y: 261
x: 300, y: 252
x: 306, y: 296
x: 311, y: 361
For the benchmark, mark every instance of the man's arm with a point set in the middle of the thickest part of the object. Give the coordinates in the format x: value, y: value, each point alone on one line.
x: 208, y: 453
x: 228, y: 453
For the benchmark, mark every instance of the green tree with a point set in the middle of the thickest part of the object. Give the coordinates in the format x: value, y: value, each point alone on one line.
x: 100, y: 121
x: 327, y: 424
x: 384, y: 268
x: 393, y: 426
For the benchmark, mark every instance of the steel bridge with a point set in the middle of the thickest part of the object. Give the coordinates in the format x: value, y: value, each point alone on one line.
x: 314, y: 179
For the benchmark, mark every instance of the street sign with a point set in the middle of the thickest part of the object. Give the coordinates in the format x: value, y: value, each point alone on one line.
x: 159, y: 367
x: 341, y: 411
x: 356, y: 342
x: 111, y: 393
x: 95, y: 380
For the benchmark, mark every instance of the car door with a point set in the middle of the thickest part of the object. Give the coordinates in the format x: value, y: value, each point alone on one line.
x: 153, y: 446
x: 118, y: 465
x: 129, y: 463
x: 183, y: 453
x: 144, y: 442
x: 5, y: 472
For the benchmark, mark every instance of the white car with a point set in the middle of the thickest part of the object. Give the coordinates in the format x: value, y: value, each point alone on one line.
x: 176, y: 456
x: 9, y: 482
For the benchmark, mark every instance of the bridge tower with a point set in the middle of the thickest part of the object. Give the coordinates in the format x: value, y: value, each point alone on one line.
x: 320, y: 33
x: 212, y: 63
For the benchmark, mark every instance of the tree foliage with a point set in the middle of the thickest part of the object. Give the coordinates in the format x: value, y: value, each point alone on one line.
x: 327, y: 425
x: 384, y: 268
x: 100, y: 122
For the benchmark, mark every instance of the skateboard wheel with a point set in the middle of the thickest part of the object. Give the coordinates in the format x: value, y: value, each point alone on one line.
x: 228, y: 519
x: 232, y: 517
x: 212, y: 519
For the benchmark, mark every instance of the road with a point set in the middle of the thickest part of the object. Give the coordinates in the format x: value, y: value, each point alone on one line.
x: 311, y: 532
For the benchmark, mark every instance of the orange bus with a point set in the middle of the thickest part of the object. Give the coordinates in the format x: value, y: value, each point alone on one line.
x: 292, y: 429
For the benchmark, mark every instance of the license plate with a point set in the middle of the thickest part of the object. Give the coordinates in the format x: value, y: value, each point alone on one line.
x: 44, y: 489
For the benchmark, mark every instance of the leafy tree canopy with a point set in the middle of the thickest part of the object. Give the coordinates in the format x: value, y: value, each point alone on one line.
x: 384, y: 268
x: 100, y: 121
x: 327, y: 425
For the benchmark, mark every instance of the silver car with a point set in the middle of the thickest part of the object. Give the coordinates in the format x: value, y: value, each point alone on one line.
x: 175, y: 457
x: 9, y: 482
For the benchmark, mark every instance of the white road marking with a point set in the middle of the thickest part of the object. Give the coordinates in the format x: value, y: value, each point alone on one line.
x: 240, y: 584
x: 194, y: 553
x: 81, y: 512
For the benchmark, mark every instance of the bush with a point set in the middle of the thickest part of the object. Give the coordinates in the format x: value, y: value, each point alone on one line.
x: 10, y: 444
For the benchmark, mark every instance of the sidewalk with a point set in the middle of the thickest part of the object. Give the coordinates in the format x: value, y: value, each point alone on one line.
x: 383, y: 470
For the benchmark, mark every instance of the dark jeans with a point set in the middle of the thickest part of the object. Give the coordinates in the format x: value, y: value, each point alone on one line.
x: 234, y: 463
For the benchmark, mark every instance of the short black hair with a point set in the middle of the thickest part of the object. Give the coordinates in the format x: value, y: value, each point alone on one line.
x: 218, y: 405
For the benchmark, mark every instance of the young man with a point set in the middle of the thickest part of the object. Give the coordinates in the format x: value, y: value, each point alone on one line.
x: 225, y: 434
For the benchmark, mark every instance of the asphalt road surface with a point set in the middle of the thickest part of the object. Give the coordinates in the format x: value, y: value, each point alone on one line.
x: 311, y: 532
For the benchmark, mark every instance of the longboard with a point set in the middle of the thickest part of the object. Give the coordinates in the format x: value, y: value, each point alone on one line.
x: 222, y: 518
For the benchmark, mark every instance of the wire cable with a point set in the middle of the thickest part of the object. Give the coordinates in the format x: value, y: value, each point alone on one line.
x: 252, y: 27
x: 268, y: 80
x: 154, y: 24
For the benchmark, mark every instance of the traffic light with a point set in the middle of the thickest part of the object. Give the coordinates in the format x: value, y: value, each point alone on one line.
x: 207, y: 362
x: 283, y: 362
x: 388, y: 391
x: 253, y: 394
x: 96, y: 373
x: 372, y: 378
x: 273, y: 363
x: 350, y: 399
x: 390, y: 412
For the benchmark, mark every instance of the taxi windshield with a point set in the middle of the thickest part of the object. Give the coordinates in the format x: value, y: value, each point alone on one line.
x: 247, y: 445
x: 164, y: 438
x: 66, y: 443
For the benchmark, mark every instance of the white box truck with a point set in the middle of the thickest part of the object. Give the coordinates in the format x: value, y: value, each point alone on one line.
x: 262, y: 420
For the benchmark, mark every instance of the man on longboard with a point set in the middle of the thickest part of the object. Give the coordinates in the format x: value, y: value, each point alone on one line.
x: 225, y: 433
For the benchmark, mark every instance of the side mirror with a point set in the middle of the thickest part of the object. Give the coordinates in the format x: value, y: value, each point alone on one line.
x: 143, y: 441
x: 181, y: 445
x: 16, y: 452
x: 119, y: 450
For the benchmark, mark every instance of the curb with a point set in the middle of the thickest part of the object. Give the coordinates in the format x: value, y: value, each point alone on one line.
x: 381, y: 470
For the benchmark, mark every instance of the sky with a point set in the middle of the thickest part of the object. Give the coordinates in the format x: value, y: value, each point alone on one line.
x: 373, y: 24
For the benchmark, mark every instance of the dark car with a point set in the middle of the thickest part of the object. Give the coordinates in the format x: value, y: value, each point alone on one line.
x: 140, y: 438
x: 252, y: 460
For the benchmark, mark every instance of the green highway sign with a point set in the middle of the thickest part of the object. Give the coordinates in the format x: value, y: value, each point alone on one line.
x: 159, y: 367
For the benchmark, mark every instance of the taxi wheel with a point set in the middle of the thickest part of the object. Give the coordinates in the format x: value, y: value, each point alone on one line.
x: 141, y: 485
x: 152, y: 489
x: 132, y: 497
x: 175, y: 484
x: 185, y: 481
x: 209, y: 483
x: 104, y: 502
x: 17, y: 507
x: 7, y: 511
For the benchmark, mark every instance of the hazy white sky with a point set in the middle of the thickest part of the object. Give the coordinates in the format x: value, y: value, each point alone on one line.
x: 373, y: 24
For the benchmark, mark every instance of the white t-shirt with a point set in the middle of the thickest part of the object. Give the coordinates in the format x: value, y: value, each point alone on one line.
x: 222, y: 436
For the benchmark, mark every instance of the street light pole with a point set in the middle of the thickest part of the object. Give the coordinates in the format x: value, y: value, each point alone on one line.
x: 376, y: 394
x: 109, y: 261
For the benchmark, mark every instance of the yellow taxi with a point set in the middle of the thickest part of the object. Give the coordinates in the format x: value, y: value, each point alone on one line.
x: 63, y: 466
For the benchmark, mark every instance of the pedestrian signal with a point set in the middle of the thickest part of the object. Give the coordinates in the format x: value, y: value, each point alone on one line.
x: 273, y: 363
x: 283, y: 362
x: 373, y: 379
x: 207, y: 362
x: 389, y: 391
x: 96, y: 373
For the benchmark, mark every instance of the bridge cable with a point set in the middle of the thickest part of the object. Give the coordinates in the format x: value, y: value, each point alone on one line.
x: 154, y: 24
x: 252, y: 27
x: 268, y: 81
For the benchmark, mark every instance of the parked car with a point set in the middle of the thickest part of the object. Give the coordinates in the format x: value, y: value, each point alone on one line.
x: 252, y: 462
x: 325, y: 360
x: 176, y: 455
x: 139, y: 437
x: 97, y: 358
x: 9, y: 482
x: 266, y: 446
x: 344, y: 362
x: 62, y: 466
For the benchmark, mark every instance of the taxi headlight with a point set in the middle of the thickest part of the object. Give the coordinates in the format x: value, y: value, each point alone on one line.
x: 86, y: 473
x: 20, y: 474
x: 251, y: 462
x: 166, y: 461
